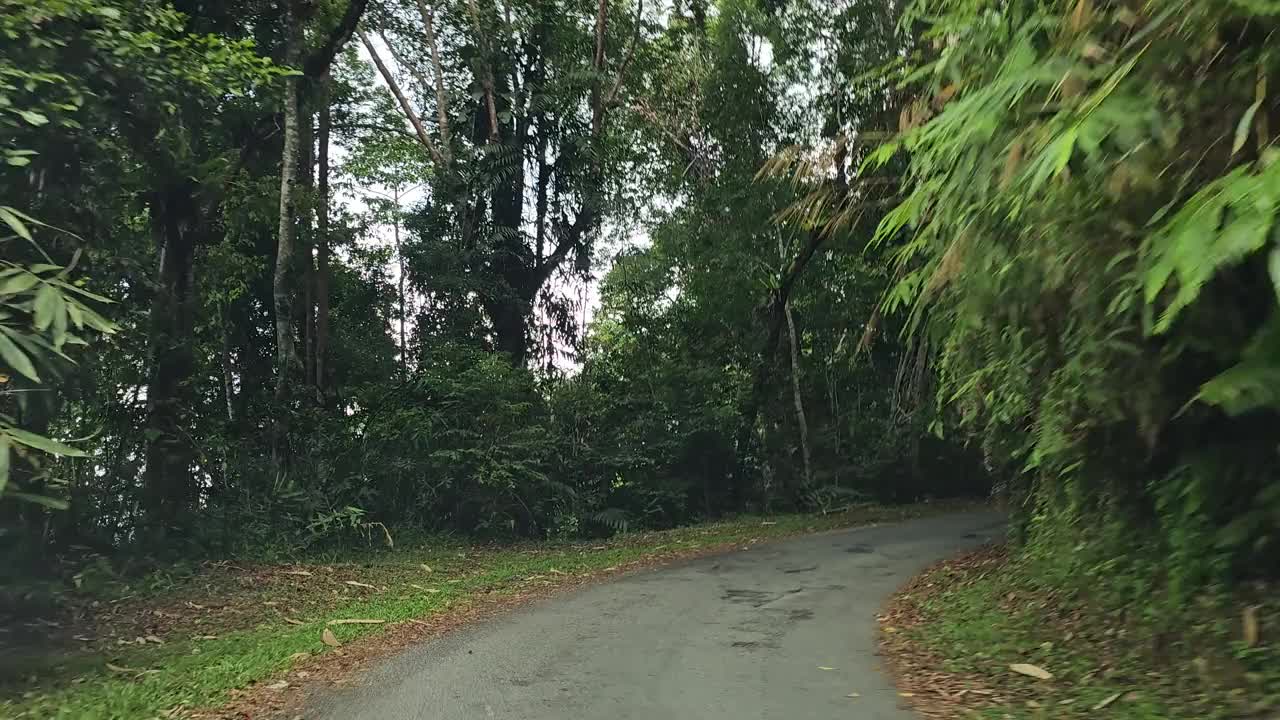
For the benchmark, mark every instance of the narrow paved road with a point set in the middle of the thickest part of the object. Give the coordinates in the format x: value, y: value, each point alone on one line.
x: 783, y: 631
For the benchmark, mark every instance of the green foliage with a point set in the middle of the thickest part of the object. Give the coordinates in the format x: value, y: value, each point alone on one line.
x: 154, y: 135
x: 983, y: 613
x: 1084, y: 236
x: 42, y: 311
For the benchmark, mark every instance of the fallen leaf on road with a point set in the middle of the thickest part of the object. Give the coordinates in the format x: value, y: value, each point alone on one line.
x: 1106, y: 701
x: 356, y: 621
x: 1034, y: 671
x: 328, y: 638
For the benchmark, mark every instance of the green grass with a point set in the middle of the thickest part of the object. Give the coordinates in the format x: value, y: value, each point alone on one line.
x: 254, y: 641
x: 980, y: 618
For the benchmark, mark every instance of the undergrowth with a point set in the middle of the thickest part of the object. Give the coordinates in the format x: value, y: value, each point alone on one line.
x: 1107, y: 632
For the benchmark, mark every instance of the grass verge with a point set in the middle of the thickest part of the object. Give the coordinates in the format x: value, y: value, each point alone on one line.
x: 953, y: 633
x: 200, y: 643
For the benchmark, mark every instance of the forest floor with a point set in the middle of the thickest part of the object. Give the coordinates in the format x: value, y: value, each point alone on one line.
x: 227, y: 640
x: 969, y: 637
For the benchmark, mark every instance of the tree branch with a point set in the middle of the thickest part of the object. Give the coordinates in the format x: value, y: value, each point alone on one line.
x: 626, y: 61
x: 409, y: 112
x: 557, y: 256
x: 373, y: 127
x: 319, y: 61
x: 442, y: 96
x: 486, y: 77
x: 597, y: 65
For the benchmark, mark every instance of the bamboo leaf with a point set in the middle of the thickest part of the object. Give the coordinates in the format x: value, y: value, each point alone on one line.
x: 47, y: 304
x: 45, y: 500
x: 18, y: 283
x: 12, y: 219
x: 15, y: 357
x: 39, y: 442
x: 1242, y: 129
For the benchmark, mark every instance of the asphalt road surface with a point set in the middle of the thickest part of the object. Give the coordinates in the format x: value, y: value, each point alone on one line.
x: 784, y: 631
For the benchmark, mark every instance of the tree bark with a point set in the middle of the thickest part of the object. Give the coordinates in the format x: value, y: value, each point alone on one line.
x: 306, y: 168
x: 282, y: 281
x: 168, y: 486
x: 405, y: 106
x: 395, y: 227
x: 486, y: 73
x: 801, y: 421
x: 442, y: 96
x: 318, y: 63
x: 322, y: 241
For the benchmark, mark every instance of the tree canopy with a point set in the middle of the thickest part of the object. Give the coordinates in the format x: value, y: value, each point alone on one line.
x: 277, y: 272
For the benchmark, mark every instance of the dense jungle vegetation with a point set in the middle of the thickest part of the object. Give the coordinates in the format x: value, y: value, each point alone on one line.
x: 283, y: 273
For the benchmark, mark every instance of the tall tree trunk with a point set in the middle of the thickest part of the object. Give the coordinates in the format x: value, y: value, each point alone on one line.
x: 510, y: 329
x: 307, y: 179
x: 322, y: 240
x: 228, y: 396
x: 395, y: 228
x: 282, y: 281
x: 168, y: 486
x: 801, y: 421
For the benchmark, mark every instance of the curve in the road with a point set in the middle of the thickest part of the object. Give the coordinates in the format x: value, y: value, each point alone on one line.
x: 784, y: 630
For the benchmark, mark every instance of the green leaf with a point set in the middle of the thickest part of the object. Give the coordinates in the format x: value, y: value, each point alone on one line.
x: 33, y: 117
x: 15, y: 357
x: 1242, y: 129
x: 11, y: 218
x: 48, y: 304
x: 45, y: 500
x: 1254, y: 383
x: 19, y: 283
x: 40, y: 442
x: 1273, y: 267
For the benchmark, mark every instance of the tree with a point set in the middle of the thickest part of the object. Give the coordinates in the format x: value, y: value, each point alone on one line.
x: 523, y: 67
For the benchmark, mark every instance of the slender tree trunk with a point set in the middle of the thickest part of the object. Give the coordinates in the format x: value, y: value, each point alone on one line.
x: 322, y: 241
x: 228, y: 390
x: 801, y: 421
x: 168, y: 486
x: 282, y: 290
x: 228, y: 369
x: 307, y: 146
x: 395, y: 227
